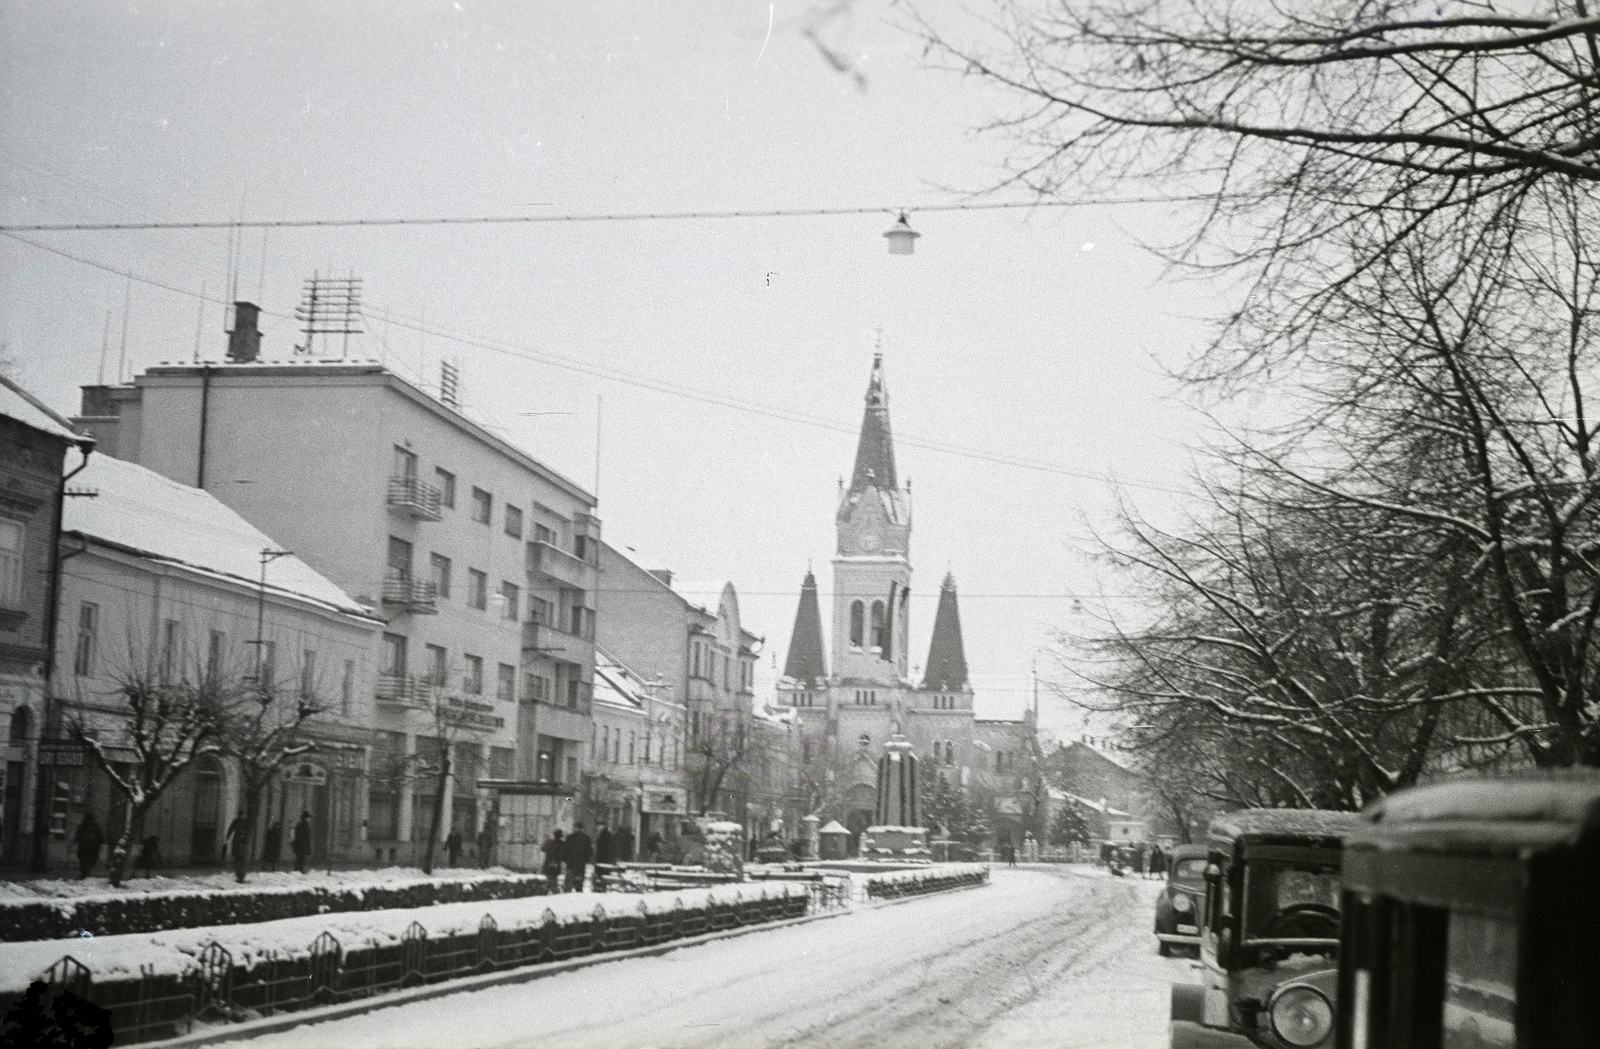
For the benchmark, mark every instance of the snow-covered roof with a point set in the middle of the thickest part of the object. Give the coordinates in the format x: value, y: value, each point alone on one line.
x: 1098, y: 806
x: 141, y: 511
x: 1287, y: 823
x: 1502, y: 815
x: 30, y: 411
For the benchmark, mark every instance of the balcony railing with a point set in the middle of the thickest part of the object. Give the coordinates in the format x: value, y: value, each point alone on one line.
x: 551, y: 562
x: 401, y: 688
x: 410, y: 593
x: 410, y: 496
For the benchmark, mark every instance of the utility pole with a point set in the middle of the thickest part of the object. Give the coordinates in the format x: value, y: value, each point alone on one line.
x: 268, y: 555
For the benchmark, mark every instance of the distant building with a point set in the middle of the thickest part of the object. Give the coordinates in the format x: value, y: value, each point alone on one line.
x: 481, y: 559
x: 33, y: 452
x: 846, y: 712
x: 636, y: 783
x: 160, y: 579
x: 1108, y: 787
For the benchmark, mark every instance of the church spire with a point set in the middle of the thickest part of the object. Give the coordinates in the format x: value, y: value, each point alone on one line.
x: 806, y: 661
x: 875, y: 452
x: 947, y: 657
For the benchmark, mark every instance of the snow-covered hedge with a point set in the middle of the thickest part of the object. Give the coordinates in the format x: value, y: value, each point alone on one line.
x: 937, y: 878
x: 110, y: 914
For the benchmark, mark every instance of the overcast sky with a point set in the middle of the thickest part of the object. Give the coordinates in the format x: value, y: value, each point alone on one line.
x: 1030, y: 333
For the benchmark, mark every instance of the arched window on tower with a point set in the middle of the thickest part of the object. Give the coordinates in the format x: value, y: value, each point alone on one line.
x: 949, y: 753
x: 880, y: 628
x: 19, y: 726
x: 857, y: 624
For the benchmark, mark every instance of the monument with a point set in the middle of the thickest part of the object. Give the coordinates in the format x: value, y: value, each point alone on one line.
x: 895, y: 832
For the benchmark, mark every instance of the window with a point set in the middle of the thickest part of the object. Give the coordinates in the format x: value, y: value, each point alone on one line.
x: 502, y: 762
x: 949, y: 752
x: 648, y: 743
x: 511, y: 597
x: 88, y: 638
x: 805, y: 751
x: 399, y: 559
x: 605, y: 743
x: 472, y: 675
x: 514, y: 521
x: 506, y: 689
x: 11, y: 542
x: 999, y: 760
x: 574, y: 693
x: 866, y: 697
x: 580, y: 547
x: 572, y: 770
x: 857, y: 629
x: 347, y: 687
x: 171, y: 649
x: 477, y: 589
x: 216, y: 649
x: 694, y: 659
x: 269, y: 662
x: 541, y: 534
x: 482, y: 506
x: 616, y: 746
x: 19, y: 725
x: 537, y: 688
x: 538, y: 610
x: 308, y: 674
x: 441, y: 576
x: 405, y: 465
x: 437, y: 666
x: 447, y: 486
x: 394, y: 655
x: 880, y: 632
x: 631, y: 741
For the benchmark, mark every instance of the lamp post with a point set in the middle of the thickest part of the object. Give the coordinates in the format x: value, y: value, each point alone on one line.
x: 268, y: 555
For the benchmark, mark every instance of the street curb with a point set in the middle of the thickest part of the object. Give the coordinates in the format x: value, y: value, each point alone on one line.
x: 482, y: 981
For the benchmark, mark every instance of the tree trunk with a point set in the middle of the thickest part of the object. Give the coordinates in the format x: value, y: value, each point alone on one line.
x: 245, y: 838
x: 438, y: 811
x: 132, y: 827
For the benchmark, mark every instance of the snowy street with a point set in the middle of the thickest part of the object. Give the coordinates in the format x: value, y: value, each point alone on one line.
x: 1062, y: 957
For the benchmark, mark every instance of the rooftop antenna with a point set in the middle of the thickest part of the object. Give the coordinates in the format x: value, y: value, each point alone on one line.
x: 105, y: 348
x: 597, y: 446
x: 200, y: 322
x: 329, y: 306
x: 450, y: 384
x: 127, y: 306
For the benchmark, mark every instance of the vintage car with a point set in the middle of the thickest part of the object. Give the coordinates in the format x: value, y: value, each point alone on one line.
x: 1270, y: 939
x: 1181, y: 906
x: 1472, y: 916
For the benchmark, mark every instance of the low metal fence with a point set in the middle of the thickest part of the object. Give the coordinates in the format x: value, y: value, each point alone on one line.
x: 218, y: 988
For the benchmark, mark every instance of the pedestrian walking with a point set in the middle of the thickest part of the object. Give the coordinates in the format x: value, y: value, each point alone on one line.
x: 622, y: 845
x: 89, y: 839
x: 486, y: 843
x: 604, y: 853
x: 1158, y: 862
x: 452, y: 847
x: 301, y: 842
x: 271, y: 845
x: 231, y: 841
x: 577, y: 854
x: 149, y: 854
x: 555, y: 848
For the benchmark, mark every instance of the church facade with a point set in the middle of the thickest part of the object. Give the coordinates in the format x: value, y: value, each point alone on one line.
x: 849, y: 709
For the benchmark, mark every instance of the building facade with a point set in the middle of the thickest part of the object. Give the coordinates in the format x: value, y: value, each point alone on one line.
x: 33, y: 452
x: 636, y: 782
x: 481, y: 560
x: 848, y: 710
x: 161, y: 582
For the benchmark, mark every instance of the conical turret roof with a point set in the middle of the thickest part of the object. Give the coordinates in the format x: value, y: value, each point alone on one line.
x: 806, y: 661
x: 947, y: 656
x: 875, y: 452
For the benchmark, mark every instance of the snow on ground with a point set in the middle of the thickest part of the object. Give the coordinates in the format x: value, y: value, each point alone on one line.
x: 1044, y: 956
x: 223, y: 881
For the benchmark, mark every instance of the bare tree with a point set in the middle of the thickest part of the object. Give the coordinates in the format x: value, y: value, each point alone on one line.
x: 167, y: 718
x: 723, y: 746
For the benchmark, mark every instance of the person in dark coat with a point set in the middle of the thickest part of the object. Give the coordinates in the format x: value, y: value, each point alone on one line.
x: 577, y: 854
x: 230, y: 840
x: 301, y: 842
x: 89, y: 839
x: 1158, y: 862
x: 149, y: 854
x: 486, y: 844
x: 605, y: 845
x: 622, y: 845
x: 452, y: 846
x: 271, y: 845
x: 555, y: 849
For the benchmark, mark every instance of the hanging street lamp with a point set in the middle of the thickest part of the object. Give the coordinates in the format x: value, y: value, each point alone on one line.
x: 902, y: 238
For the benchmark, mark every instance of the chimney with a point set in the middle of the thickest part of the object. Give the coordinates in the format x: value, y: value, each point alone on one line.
x: 244, y: 341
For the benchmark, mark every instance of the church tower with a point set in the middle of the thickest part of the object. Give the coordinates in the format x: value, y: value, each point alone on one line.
x: 872, y: 562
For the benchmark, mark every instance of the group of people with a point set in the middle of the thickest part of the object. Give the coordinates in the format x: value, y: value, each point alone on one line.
x: 1143, y: 859
x: 572, y: 853
x: 89, y: 839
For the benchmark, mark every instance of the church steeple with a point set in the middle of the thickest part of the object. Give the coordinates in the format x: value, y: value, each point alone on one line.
x: 947, y: 657
x: 875, y: 451
x: 806, y: 661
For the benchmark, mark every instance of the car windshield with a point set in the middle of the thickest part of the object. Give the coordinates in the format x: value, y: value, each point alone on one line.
x: 1190, y: 870
x: 1291, y: 901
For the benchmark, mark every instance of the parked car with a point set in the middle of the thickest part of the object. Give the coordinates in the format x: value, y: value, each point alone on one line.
x: 1270, y: 939
x: 1180, y: 909
x: 1470, y: 916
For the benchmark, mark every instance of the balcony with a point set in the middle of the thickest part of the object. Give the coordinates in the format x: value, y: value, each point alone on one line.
x: 411, y: 497
x: 401, y: 688
x: 409, y: 594
x: 541, y: 639
x: 546, y: 562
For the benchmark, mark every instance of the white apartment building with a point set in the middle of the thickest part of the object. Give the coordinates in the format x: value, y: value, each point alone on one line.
x: 481, y: 559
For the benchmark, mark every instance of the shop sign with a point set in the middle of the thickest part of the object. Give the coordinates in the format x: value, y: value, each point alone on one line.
x: 662, y: 800
x: 474, y: 713
x: 308, y: 772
